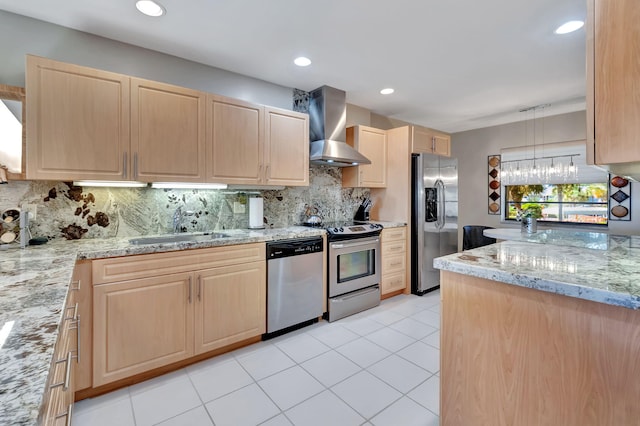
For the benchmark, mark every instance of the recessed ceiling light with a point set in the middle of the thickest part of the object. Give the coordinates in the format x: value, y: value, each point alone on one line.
x: 302, y: 61
x: 150, y: 8
x: 387, y: 91
x: 569, y: 27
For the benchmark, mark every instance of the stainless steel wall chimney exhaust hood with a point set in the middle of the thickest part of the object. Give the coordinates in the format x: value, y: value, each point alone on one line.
x: 327, y: 129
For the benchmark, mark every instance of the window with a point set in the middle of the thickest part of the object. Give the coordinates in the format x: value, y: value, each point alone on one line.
x: 584, y: 203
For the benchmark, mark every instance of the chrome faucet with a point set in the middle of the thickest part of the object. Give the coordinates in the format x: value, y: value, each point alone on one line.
x: 178, y: 216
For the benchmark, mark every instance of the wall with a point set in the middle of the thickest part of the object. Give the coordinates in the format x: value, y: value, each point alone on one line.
x: 474, y: 146
x: 20, y: 35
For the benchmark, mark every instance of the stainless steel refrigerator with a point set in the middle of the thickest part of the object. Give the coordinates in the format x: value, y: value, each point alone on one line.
x: 434, y: 217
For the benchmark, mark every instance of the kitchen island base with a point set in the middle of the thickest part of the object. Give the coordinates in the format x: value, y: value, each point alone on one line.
x: 511, y: 355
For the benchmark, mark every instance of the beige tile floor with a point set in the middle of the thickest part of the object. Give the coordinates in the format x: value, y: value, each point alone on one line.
x: 378, y: 367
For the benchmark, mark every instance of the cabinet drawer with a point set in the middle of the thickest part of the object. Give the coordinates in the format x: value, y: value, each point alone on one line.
x: 393, y: 282
x: 394, y: 248
x: 148, y: 265
x: 393, y: 264
x: 393, y: 234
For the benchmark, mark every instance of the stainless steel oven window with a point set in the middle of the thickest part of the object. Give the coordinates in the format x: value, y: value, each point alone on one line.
x: 356, y: 265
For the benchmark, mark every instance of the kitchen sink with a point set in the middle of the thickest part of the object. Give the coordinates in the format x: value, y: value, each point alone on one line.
x: 178, y: 238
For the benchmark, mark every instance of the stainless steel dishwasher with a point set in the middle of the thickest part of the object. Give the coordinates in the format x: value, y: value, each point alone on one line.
x: 294, y: 282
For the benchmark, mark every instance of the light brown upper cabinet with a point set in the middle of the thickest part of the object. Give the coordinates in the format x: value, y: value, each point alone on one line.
x: 613, y: 81
x: 87, y: 124
x: 235, y: 141
x: 372, y: 143
x: 429, y: 141
x: 78, y: 125
x: 167, y: 132
x: 286, y: 147
x: 252, y: 144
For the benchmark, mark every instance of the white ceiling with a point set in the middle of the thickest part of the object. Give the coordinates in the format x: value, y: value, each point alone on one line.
x: 455, y: 64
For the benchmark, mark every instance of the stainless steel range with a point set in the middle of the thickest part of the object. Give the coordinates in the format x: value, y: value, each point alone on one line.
x: 353, y: 259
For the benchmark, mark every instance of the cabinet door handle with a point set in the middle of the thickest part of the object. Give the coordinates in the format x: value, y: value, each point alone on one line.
x: 68, y: 415
x: 199, y: 288
x: 267, y: 174
x: 78, y: 340
x: 433, y: 144
x: 75, y: 313
x: 76, y: 327
x: 67, y: 373
x: 77, y: 283
x: 135, y: 165
x: 124, y: 165
x: 190, y: 285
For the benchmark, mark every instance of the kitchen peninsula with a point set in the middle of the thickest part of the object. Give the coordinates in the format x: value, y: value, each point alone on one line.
x: 542, y: 330
x: 34, y: 284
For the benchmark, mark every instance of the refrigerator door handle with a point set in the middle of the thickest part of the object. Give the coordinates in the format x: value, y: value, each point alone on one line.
x: 440, y: 222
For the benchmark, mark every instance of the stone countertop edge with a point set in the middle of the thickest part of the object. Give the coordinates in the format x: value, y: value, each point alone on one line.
x: 612, y: 284
x: 389, y: 224
x: 33, y: 288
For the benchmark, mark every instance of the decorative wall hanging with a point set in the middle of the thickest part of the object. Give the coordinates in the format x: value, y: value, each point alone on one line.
x: 494, y: 184
x: 619, y: 198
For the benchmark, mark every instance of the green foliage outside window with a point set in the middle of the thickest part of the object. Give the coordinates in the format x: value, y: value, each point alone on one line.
x: 567, y: 203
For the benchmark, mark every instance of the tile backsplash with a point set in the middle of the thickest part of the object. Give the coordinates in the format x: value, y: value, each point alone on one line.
x: 72, y: 212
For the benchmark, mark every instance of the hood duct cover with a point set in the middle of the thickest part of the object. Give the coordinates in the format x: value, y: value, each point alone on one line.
x: 327, y: 129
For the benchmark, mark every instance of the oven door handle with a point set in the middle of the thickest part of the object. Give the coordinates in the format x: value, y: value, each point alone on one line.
x: 349, y: 245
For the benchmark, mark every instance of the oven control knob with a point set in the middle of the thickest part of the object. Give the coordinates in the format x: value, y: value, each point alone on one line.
x: 372, y: 226
x: 341, y: 229
x: 335, y: 229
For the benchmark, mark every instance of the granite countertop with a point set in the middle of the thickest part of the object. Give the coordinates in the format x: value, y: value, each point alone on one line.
x: 588, y: 265
x: 389, y: 224
x: 33, y: 288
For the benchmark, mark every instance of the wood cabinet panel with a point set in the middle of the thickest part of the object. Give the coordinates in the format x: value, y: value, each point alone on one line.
x: 394, y: 234
x: 372, y: 143
x: 614, y: 70
x: 442, y: 145
x: 286, y: 153
x: 78, y: 125
x: 140, y: 325
x: 394, y: 260
x: 517, y: 356
x: 58, y: 397
x: 146, y: 317
x: 83, y: 289
x: 393, y: 282
x: 235, y: 141
x: 167, y: 132
x: 146, y: 265
x: 88, y: 124
x: 429, y: 141
x: 231, y: 305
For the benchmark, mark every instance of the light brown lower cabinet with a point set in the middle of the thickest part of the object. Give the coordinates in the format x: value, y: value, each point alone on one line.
x: 394, y: 260
x: 58, y: 399
x: 140, y: 325
x: 159, y: 318
x: 231, y: 304
x: 81, y: 286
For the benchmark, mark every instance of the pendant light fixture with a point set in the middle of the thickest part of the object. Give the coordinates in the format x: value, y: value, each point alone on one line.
x: 538, y: 168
